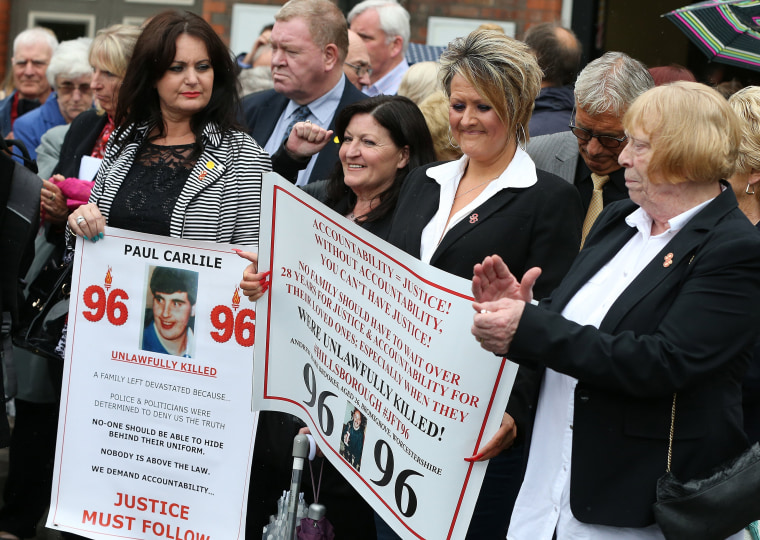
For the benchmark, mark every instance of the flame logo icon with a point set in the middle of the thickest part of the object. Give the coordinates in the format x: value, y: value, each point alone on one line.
x: 109, y: 279
x: 236, y: 299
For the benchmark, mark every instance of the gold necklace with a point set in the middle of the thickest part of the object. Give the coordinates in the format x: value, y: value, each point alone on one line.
x: 473, y: 189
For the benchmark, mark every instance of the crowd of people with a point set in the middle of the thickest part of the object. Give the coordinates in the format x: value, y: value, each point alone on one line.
x: 605, y: 215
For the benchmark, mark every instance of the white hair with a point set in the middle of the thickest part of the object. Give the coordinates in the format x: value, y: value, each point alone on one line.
x: 394, y: 19
x: 35, y: 35
x: 611, y: 84
x: 70, y: 59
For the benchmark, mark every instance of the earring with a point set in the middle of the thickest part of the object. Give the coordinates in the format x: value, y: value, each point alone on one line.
x: 747, y: 190
x: 451, y: 141
x: 521, y: 141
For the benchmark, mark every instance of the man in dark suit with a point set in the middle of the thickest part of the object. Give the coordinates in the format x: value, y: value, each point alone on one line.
x: 309, y: 45
x: 603, y: 92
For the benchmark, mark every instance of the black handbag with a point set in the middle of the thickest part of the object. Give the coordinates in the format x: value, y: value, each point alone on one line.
x: 44, y: 314
x: 710, y: 508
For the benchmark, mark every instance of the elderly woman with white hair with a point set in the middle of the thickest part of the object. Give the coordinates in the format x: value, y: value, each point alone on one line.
x: 69, y: 74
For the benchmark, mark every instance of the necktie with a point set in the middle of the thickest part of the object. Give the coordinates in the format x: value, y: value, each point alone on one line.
x: 299, y: 115
x: 595, y: 205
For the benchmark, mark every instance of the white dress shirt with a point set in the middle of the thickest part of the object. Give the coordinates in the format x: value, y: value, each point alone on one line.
x: 389, y: 83
x: 520, y: 173
x: 543, y: 503
x: 321, y: 112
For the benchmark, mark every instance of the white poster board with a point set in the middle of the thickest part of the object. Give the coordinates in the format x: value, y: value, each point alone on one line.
x: 153, y: 444
x: 352, y: 323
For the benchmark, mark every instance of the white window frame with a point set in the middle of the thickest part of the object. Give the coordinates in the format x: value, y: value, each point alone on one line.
x: 442, y: 30
x: 169, y: 2
x: 34, y: 18
x: 134, y: 21
x: 247, y: 22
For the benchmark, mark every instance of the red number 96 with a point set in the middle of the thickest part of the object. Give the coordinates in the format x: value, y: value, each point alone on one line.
x: 95, y: 298
x: 227, y: 323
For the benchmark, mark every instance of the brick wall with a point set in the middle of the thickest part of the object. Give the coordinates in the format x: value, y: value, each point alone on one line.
x: 5, y: 28
x: 522, y: 12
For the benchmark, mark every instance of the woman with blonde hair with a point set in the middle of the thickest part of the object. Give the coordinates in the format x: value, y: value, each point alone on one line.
x: 61, y: 153
x: 492, y: 200
x: 638, y: 356
x: 419, y: 81
x: 435, y: 109
x: 746, y: 185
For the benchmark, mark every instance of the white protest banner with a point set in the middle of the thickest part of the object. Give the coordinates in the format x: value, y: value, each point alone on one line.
x: 155, y: 435
x: 372, y: 349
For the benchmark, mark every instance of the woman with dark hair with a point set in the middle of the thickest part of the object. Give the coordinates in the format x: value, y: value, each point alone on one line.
x: 382, y: 139
x: 177, y: 163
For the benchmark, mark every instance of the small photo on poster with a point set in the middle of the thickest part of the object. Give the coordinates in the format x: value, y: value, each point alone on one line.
x: 352, y: 436
x: 170, y: 296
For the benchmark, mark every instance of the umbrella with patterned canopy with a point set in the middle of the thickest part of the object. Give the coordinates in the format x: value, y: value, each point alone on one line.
x: 727, y: 31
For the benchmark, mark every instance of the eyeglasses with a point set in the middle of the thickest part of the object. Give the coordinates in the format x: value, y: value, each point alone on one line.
x: 585, y: 135
x: 360, y: 70
x: 607, y: 141
x: 68, y: 87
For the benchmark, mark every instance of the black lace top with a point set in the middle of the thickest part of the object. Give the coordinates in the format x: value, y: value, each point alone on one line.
x: 147, y: 196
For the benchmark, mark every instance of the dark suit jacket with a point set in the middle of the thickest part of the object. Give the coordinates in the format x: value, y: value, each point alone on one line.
x: 685, y: 328
x: 535, y: 226
x: 558, y: 154
x: 262, y: 110
x: 79, y: 141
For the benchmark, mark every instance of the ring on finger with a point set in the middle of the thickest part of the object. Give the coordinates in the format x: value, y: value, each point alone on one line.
x: 52, y: 198
x: 81, y: 220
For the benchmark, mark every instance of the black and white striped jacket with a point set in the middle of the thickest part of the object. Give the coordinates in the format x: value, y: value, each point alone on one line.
x: 221, y: 199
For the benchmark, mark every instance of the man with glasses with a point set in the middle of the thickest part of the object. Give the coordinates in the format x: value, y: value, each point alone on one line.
x: 357, y: 66
x: 32, y: 50
x: 384, y: 27
x: 603, y: 92
x: 69, y: 74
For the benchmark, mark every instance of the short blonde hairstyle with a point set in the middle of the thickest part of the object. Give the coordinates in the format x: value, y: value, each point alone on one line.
x: 502, y: 70
x: 746, y: 104
x: 435, y: 109
x: 419, y: 81
x: 693, y: 132
x: 112, y: 48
